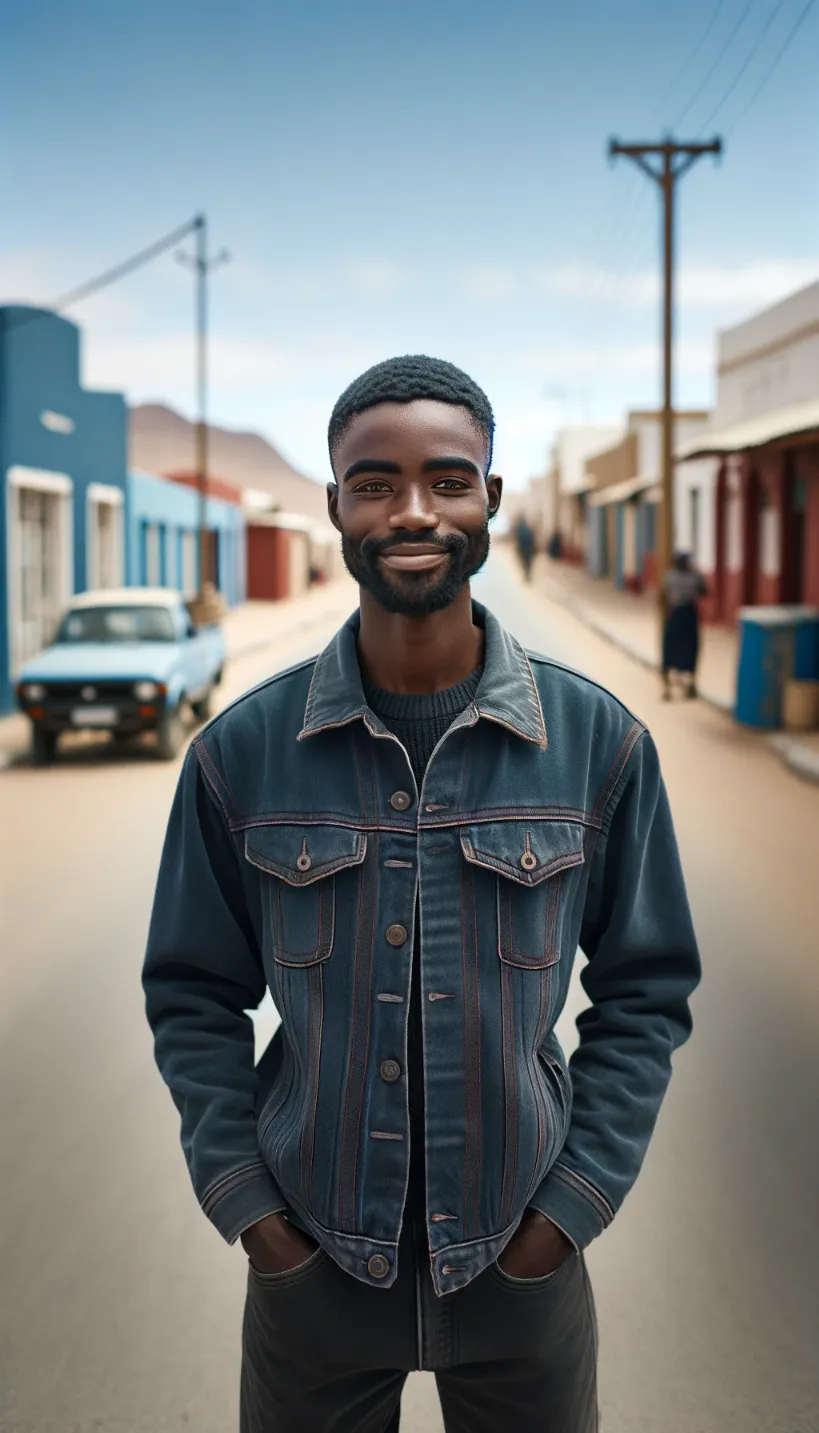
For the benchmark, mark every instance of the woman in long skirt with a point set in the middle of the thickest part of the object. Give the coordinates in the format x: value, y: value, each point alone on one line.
x: 684, y: 587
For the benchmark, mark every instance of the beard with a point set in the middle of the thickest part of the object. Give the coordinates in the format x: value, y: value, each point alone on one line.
x: 416, y: 594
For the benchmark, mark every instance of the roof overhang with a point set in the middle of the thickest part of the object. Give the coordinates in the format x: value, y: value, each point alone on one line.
x: 797, y: 420
x: 621, y: 492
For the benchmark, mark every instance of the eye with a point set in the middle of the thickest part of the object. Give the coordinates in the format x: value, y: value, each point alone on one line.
x: 453, y: 485
x: 373, y: 486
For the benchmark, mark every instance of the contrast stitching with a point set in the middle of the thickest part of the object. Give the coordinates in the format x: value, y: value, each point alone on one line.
x: 584, y: 1187
x: 214, y: 778
x: 357, y: 1063
x: 472, y: 1053
x: 315, y: 998
x: 224, y: 1186
x: 510, y: 1096
x: 479, y: 817
x: 626, y: 748
x: 491, y: 862
x: 317, y: 872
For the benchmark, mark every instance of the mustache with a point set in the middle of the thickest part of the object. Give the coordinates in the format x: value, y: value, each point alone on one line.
x: 375, y: 547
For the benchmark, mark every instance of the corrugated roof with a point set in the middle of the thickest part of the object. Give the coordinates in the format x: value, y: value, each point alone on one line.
x: 787, y: 422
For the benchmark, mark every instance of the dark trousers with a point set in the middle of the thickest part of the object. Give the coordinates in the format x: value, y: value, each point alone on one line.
x: 324, y: 1353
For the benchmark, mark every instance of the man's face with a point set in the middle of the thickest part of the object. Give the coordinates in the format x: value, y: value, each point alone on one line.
x: 411, y: 503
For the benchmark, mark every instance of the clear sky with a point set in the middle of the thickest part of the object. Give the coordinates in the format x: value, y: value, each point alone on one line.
x: 401, y: 178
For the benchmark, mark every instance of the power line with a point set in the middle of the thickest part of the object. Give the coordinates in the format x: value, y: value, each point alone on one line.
x: 692, y: 56
x: 743, y: 69
x: 788, y: 41
x: 709, y: 74
x: 127, y: 267
x: 92, y: 286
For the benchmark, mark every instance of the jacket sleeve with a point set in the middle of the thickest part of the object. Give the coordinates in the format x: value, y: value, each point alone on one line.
x: 202, y: 972
x: 642, y: 966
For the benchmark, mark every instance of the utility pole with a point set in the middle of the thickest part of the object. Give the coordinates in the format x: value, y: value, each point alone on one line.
x: 672, y: 161
x: 202, y: 266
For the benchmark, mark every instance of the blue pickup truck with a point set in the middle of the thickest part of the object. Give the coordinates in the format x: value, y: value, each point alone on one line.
x: 125, y: 662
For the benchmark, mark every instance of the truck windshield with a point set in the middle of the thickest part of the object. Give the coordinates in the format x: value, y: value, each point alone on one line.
x: 117, y: 624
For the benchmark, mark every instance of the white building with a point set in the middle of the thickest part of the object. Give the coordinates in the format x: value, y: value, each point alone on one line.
x: 573, y: 447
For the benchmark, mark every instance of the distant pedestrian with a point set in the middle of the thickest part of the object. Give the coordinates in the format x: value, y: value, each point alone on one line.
x: 683, y: 588
x: 525, y: 544
x: 404, y: 841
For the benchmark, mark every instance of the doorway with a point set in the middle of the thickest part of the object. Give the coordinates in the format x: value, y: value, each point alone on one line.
x: 40, y: 559
x: 105, y: 558
x: 793, y: 532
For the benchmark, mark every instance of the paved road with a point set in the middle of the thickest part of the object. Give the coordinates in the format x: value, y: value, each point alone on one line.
x: 120, y: 1308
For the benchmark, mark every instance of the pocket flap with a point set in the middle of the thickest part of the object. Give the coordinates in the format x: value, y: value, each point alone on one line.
x: 527, y: 852
x: 300, y: 855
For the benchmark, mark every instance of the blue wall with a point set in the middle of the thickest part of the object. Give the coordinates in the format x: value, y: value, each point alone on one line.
x: 174, y: 510
x: 40, y: 372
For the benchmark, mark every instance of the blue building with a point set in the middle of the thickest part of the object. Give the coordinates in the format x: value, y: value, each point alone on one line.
x: 162, y: 538
x: 62, y: 483
x: 71, y: 517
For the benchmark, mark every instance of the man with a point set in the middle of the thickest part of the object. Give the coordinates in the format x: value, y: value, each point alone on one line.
x: 525, y: 543
x: 406, y: 840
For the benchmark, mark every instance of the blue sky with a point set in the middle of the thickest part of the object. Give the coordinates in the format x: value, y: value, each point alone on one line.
x: 416, y: 177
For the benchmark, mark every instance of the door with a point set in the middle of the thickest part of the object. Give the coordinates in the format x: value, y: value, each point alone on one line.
x: 105, y: 562
x: 793, y: 533
x: 752, y: 500
x: 40, y: 572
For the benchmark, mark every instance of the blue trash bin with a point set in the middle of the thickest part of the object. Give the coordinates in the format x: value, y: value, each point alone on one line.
x: 777, y: 644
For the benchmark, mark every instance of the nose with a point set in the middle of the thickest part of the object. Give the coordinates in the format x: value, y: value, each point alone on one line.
x: 413, y: 510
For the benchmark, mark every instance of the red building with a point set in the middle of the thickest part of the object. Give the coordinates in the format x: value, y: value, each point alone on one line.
x: 764, y: 547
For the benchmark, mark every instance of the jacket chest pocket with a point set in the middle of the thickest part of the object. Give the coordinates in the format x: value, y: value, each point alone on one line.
x: 298, y: 897
x: 530, y: 861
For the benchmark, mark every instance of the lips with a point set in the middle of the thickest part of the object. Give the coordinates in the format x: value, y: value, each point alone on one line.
x: 415, y: 557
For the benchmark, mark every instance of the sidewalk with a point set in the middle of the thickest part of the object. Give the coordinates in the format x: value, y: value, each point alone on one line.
x: 248, y: 628
x: 631, y: 623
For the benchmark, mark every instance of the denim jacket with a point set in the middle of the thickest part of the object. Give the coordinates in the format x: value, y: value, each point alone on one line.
x: 298, y: 853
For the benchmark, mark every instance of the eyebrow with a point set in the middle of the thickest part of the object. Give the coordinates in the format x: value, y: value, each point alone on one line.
x: 371, y: 465
x: 432, y: 465
x: 463, y: 465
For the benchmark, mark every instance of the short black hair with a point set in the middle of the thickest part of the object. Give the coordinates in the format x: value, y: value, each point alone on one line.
x: 403, y: 380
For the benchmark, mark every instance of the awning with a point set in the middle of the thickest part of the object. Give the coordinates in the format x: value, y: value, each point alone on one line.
x: 621, y: 492
x: 771, y: 427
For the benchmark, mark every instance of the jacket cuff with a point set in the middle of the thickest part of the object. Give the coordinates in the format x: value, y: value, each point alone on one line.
x: 573, y: 1204
x: 242, y: 1199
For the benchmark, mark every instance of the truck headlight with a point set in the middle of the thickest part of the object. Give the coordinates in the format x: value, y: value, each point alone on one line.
x: 146, y: 691
x: 33, y: 691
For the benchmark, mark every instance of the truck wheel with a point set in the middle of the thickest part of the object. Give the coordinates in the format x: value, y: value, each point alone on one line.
x: 171, y: 735
x: 43, y: 746
x: 203, y: 708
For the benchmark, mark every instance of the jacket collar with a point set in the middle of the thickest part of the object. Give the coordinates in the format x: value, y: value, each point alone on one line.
x: 506, y: 694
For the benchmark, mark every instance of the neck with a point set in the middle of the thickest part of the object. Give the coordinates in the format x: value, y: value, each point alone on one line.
x: 418, y: 655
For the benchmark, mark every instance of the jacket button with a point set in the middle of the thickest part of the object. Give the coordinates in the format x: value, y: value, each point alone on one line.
x: 396, y: 934
x: 377, y: 1266
x: 390, y: 1070
x: 400, y: 801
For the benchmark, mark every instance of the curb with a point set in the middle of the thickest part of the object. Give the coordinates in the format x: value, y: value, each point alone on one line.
x: 799, y: 759
x: 636, y: 653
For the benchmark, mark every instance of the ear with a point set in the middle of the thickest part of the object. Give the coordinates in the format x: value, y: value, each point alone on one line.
x: 332, y: 505
x: 494, y: 493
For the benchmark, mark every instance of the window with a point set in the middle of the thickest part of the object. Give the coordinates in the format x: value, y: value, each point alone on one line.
x: 117, y: 624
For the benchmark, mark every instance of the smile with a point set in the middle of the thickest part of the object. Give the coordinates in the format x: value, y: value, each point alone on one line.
x: 415, y: 558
